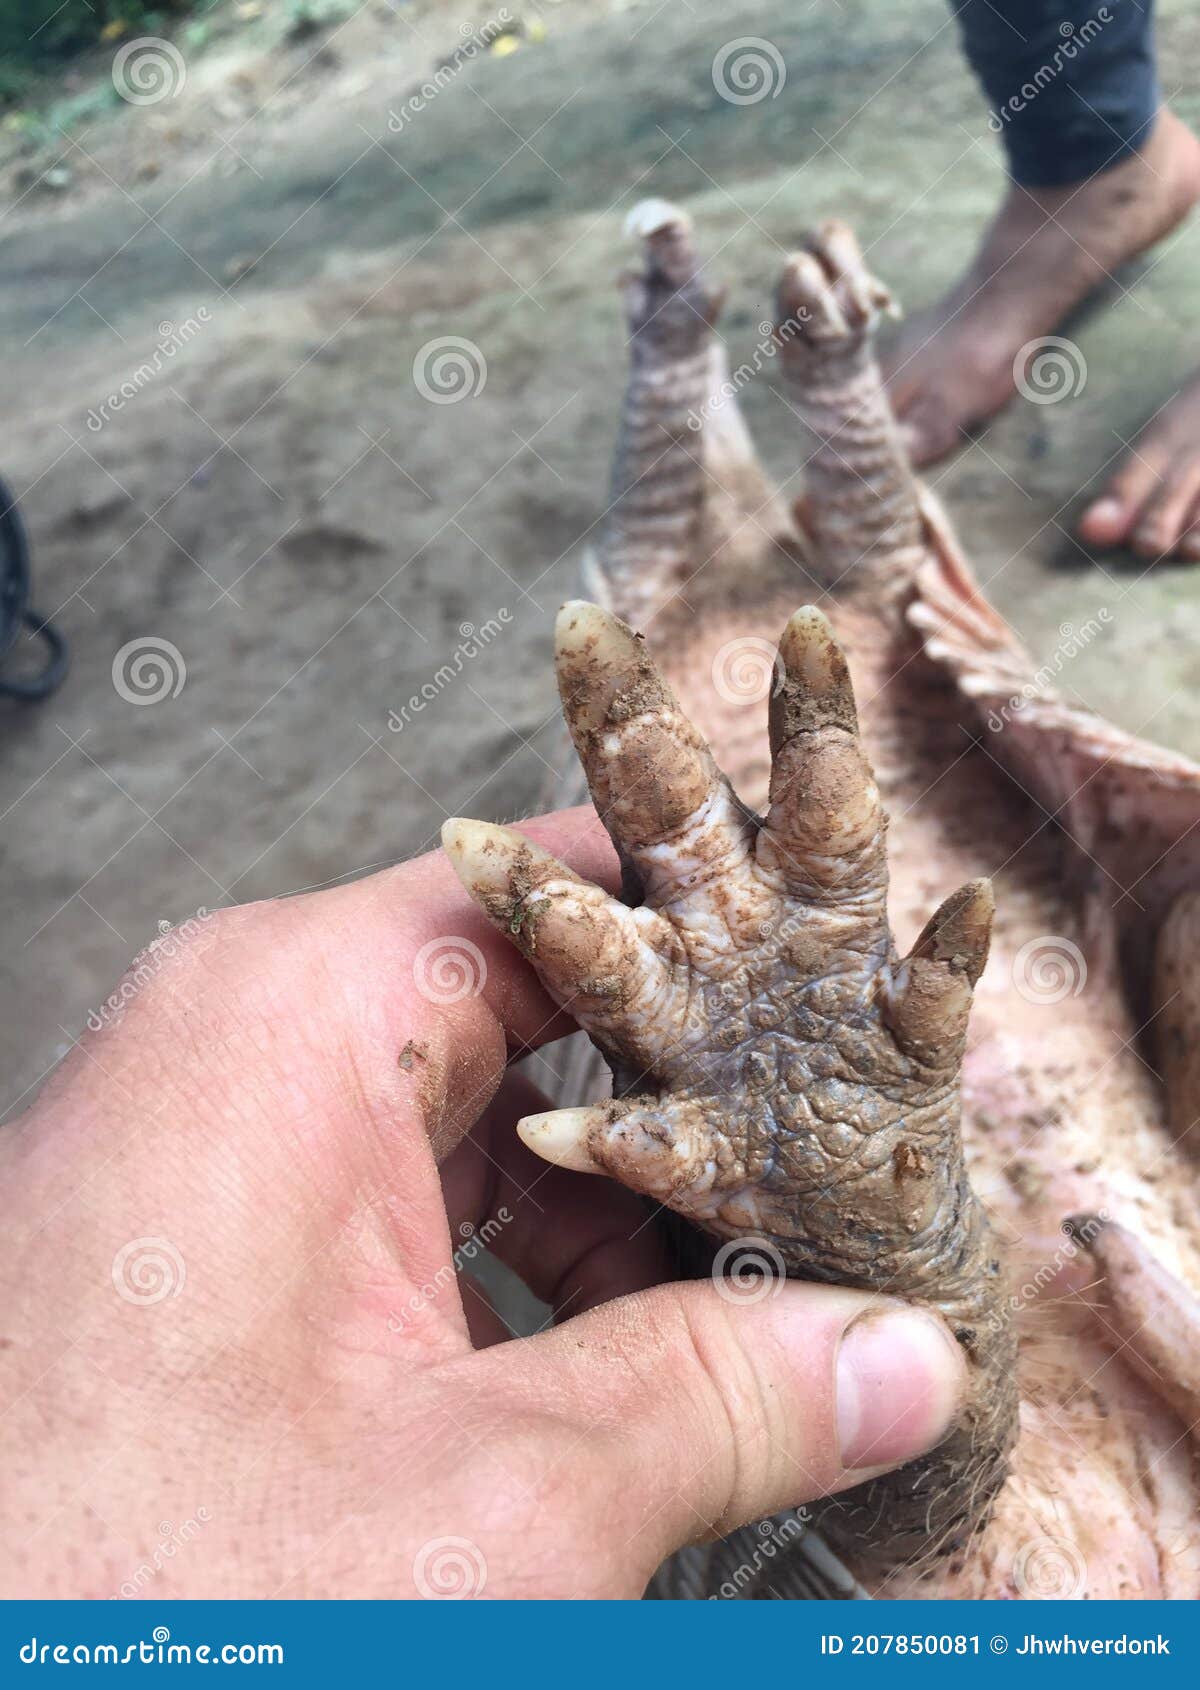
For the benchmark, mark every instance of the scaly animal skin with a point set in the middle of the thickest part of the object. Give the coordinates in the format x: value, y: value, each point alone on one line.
x: 780, y: 1074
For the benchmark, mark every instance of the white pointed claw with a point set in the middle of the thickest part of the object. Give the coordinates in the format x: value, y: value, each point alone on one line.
x: 652, y: 216
x: 561, y: 1136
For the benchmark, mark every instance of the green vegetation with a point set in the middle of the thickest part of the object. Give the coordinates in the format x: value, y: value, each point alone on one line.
x: 36, y: 34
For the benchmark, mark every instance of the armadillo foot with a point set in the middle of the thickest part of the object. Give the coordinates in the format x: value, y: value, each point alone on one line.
x: 780, y: 1073
x: 828, y: 296
x: 861, y: 506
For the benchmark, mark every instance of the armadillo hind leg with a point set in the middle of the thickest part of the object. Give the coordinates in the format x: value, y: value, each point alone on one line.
x: 685, y: 478
x: 861, y: 510
x: 1177, y: 1019
x: 1151, y: 1318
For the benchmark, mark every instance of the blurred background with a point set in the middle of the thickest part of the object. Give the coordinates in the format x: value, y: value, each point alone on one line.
x: 312, y: 358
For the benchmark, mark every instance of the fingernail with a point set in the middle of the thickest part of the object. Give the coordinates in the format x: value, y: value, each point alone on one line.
x: 900, y: 1383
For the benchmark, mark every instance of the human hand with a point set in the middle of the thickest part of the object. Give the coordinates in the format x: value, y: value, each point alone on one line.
x: 237, y: 1357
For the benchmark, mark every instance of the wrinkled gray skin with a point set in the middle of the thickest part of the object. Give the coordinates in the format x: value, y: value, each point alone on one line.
x: 782, y: 1076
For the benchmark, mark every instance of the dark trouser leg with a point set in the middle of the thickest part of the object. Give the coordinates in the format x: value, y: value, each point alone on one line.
x: 1071, y: 83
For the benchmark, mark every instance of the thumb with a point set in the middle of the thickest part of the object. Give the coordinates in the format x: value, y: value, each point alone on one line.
x: 697, y: 1414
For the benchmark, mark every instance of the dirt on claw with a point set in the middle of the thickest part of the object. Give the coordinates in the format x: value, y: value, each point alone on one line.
x: 782, y: 1071
x: 782, y: 1074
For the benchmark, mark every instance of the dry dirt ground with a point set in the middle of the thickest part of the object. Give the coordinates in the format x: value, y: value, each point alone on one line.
x: 305, y: 536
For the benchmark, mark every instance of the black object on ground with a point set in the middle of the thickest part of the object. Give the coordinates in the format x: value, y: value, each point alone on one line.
x: 16, y: 615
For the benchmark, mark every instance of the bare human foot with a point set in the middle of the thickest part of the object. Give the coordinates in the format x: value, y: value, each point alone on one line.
x: 958, y: 363
x: 1153, y: 500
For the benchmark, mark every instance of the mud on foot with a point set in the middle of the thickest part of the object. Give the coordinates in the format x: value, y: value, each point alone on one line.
x: 780, y: 1073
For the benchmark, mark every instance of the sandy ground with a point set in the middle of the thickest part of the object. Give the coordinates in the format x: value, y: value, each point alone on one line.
x: 307, y: 538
